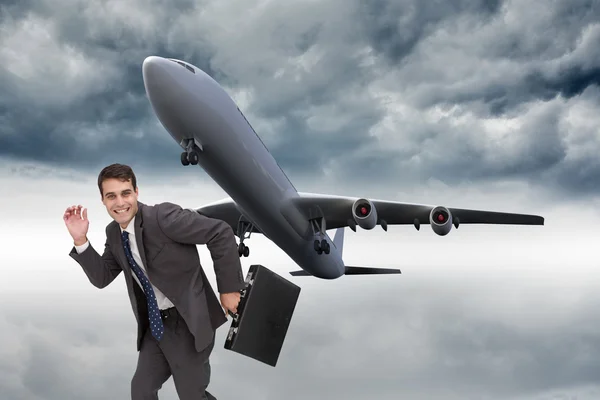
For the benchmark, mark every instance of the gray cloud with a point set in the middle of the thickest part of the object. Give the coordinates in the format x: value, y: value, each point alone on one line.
x: 432, y: 342
x: 498, y: 94
x: 482, y: 313
x: 402, y: 90
x: 395, y: 28
x: 526, y: 52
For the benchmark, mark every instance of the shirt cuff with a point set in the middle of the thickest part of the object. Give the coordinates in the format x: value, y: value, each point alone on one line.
x: 82, y: 248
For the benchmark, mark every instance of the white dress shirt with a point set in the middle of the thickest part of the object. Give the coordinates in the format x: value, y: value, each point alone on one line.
x: 163, y: 301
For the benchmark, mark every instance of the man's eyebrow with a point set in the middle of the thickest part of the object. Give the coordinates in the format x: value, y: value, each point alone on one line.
x: 122, y: 191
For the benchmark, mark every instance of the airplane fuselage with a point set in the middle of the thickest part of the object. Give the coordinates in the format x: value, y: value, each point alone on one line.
x: 191, y: 105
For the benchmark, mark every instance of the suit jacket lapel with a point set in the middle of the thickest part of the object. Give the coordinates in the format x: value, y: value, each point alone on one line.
x: 139, y: 230
x: 118, y: 244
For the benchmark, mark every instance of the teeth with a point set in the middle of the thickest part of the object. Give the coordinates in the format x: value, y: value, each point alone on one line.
x: 120, y: 211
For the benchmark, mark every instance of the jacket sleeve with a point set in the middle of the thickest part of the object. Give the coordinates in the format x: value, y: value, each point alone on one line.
x: 189, y: 227
x: 101, y: 270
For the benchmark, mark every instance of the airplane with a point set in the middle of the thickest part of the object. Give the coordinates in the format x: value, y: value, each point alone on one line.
x: 214, y: 133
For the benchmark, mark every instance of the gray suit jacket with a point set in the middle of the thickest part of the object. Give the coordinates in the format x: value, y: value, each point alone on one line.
x: 167, y: 236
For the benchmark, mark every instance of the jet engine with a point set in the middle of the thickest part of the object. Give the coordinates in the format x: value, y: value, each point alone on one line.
x: 364, y: 214
x: 440, y: 219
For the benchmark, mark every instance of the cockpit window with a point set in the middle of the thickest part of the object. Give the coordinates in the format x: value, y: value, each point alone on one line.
x: 183, y: 65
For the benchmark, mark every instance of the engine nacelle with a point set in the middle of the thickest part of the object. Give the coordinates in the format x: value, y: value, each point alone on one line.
x: 440, y: 219
x: 364, y: 213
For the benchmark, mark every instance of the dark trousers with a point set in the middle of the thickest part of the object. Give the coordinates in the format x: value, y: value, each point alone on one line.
x: 174, y: 355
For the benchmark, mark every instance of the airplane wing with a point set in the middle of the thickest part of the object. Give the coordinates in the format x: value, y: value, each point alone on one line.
x: 337, y: 212
x: 225, y: 210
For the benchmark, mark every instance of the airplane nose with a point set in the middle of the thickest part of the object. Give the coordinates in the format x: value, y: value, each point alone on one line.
x: 154, y: 75
x: 149, y: 66
x: 165, y: 90
x: 152, y: 65
x: 162, y: 82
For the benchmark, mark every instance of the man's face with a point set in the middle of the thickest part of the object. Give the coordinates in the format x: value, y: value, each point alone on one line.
x: 120, y: 200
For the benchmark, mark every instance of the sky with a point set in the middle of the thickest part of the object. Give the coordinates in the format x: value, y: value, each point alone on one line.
x: 472, y: 104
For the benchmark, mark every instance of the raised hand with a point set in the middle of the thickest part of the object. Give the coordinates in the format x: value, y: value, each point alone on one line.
x: 75, y: 218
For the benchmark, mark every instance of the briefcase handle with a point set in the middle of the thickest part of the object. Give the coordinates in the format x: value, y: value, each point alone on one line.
x: 243, y: 293
x: 235, y: 316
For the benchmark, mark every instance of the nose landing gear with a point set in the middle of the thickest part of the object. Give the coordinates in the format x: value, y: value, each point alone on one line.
x: 192, y: 148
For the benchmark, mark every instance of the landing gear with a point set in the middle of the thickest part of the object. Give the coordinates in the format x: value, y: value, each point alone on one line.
x: 190, y: 155
x: 243, y: 250
x: 322, y: 246
x: 318, y: 226
x: 189, y: 158
x: 243, y: 228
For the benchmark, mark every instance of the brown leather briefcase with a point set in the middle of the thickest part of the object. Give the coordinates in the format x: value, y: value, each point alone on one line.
x: 263, y: 316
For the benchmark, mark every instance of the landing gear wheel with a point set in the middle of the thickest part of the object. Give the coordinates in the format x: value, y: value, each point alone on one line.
x: 193, y: 157
x: 190, y: 155
x: 243, y: 250
x: 244, y: 230
x: 184, y: 159
x: 318, y: 248
x: 325, y: 246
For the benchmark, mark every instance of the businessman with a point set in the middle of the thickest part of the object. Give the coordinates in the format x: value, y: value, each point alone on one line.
x: 176, y: 309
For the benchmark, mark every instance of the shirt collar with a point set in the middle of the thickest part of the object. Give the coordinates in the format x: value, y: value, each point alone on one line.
x: 130, y: 228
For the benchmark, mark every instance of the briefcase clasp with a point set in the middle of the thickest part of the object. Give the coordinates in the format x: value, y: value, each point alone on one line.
x: 232, y: 331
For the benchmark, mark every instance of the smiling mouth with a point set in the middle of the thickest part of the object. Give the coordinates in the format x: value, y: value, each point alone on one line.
x: 122, y: 211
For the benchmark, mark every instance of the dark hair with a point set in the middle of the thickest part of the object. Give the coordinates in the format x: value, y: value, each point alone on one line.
x: 118, y: 171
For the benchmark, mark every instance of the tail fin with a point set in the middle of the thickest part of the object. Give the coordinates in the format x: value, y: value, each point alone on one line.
x: 338, y: 239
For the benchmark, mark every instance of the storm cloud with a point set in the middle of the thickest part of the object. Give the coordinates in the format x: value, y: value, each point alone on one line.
x: 457, y: 91
x: 471, y: 104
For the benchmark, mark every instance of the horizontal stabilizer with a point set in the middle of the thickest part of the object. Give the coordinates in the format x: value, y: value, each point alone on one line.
x: 370, y: 271
x: 300, y: 273
x: 356, y: 271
